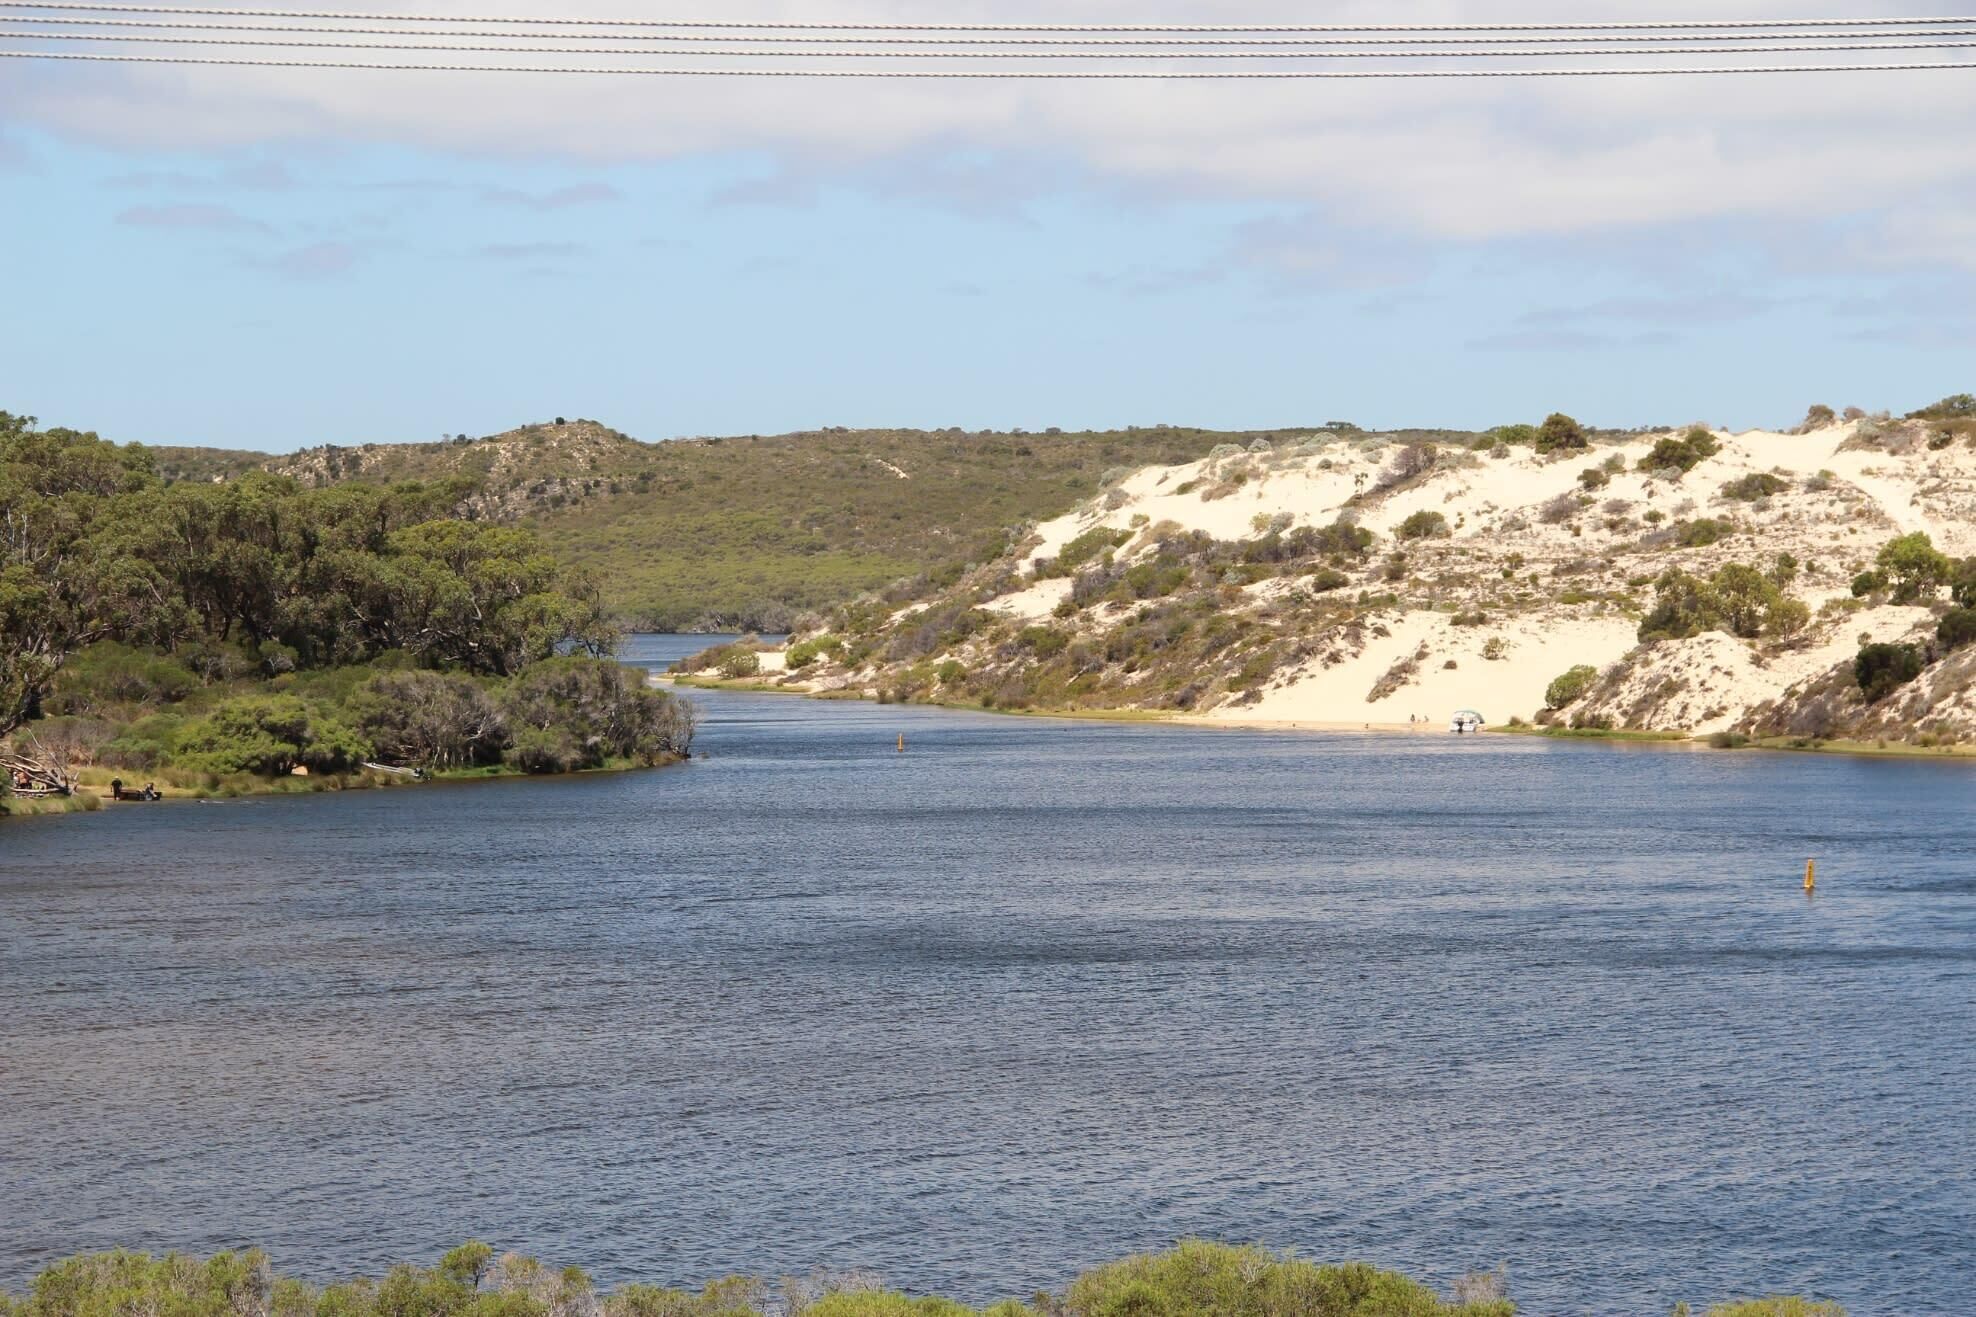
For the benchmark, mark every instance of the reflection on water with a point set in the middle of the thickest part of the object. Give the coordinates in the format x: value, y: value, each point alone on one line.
x: 1030, y: 995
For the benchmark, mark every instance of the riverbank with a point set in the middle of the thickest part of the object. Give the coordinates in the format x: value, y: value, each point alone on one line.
x: 1193, y: 1277
x: 1230, y: 723
x: 94, y: 792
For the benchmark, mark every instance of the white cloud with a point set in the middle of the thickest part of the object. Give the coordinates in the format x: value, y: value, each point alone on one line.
x: 1463, y: 160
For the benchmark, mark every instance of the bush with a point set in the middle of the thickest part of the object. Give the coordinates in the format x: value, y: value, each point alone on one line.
x: 1559, y: 510
x: 1756, y: 485
x: 1955, y: 407
x: 1201, y: 1278
x: 270, y: 735
x: 1957, y: 628
x: 1593, y: 477
x: 1701, y: 532
x: 1817, y: 418
x: 1326, y: 579
x: 432, y: 720
x: 1512, y: 434
x: 1570, y: 686
x: 1681, y: 455
x: 805, y: 652
x: 1881, y: 670
x: 1044, y: 642
x: 739, y: 662
x: 1727, y: 740
x: 1560, y: 433
x: 1423, y: 525
x: 575, y: 713
x: 108, y: 674
x: 1867, y: 583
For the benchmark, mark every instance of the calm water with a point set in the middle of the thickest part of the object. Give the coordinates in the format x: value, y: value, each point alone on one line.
x: 1026, y: 997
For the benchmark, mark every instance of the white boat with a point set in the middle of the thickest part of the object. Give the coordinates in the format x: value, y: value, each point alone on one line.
x: 1465, y: 721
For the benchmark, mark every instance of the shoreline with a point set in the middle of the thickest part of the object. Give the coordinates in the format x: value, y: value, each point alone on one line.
x: 92, y: 793
x: 1671, y: 740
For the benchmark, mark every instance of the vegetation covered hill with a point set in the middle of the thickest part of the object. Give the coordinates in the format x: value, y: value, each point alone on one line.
x: 747, y: 532
x: 256, y: 628
x: 1193, y: 1280
x: 1810, y: 585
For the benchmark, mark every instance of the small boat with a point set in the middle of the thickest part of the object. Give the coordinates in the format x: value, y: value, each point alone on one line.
x: 1465, y: 721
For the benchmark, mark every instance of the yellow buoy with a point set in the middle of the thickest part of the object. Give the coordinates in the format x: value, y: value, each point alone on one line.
x: 902, y: 742
x: 1810, y: 875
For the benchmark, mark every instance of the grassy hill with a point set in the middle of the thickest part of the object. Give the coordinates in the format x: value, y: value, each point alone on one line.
x: 746, y: 531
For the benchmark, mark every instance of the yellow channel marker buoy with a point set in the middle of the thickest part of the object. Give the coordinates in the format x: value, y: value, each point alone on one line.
x: 902, y: 742
x: 1810, y: 875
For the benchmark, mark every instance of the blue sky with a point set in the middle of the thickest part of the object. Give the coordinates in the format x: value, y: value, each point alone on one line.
x: 196, y: 257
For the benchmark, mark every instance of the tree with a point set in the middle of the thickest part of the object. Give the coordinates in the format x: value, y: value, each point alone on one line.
x: 1914, y: 566
x: 1559, y: 433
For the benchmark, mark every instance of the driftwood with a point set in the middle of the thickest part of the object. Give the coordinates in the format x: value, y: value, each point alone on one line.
x: 27, y: 776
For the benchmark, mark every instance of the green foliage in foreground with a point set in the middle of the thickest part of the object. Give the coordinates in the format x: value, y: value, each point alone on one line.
x: 1195, y: 1279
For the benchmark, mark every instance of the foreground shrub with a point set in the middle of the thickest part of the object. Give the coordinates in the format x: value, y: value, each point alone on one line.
x: 1957, y: 628
x: 1881, y: 670
x: 1213, y: 1279
x: 1194, y: 1279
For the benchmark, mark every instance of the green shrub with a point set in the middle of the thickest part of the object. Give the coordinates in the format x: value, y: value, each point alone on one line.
x: 1701, y: 532
x: 1683, y: 454
x: 1326, y: 579
x: 1957, y: 628
x: 1512, y: 434
x: 1881, y: 670
x: 270, y: 735
x: 1868, y: 582
x: 1914, y: 567
x: 434, y: 720
x: 1423, y: 525
x: 805, y: 652
x: 576, y: 713
x: 1212, y: 1280
x: 1042, y: 641
x: 1727, y: 740
x: 1955, y: 407
x: 1570, y: 686
x: 1560, y: 433
x: 108, y: 674
x: 1756, y: 485
x: 1593, y: 477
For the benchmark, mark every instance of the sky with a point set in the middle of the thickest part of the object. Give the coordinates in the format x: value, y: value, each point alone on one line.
x: 274, y: 259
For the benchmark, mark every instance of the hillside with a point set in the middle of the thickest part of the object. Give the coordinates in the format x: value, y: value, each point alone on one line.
x: 1701, y: 582
x: 745, y: 531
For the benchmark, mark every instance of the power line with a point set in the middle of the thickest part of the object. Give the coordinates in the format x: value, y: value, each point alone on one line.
x: 702, y: 52
x: 1271, y: 42
x: 1002, y: 74
x: 76, y: 6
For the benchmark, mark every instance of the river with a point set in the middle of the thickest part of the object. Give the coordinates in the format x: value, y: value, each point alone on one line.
x: 1028, y: 996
